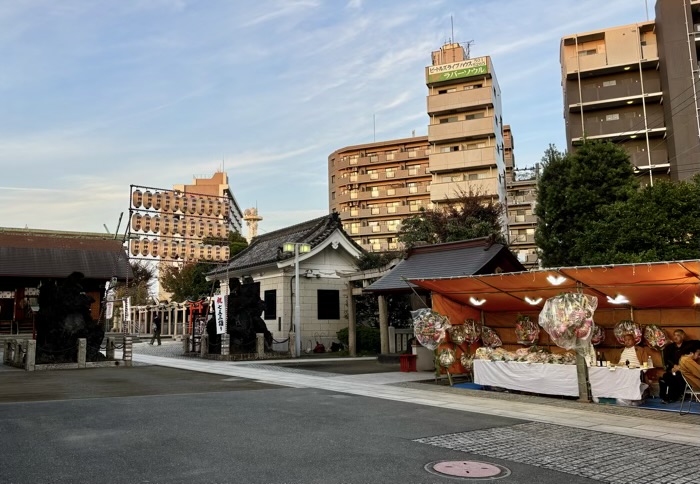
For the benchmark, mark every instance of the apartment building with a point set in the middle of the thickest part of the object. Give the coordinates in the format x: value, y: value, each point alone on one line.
x: 375, y: 186
x: 521, y: 198
x: 466, y: 126
x: 216, y: 186
x: 636, y: 85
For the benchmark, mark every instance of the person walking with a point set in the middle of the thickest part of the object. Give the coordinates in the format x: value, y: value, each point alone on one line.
x: 155, y: 327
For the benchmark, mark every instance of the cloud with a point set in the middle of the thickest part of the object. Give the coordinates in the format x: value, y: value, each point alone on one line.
x: 354, y: 4
x: 286, y: 8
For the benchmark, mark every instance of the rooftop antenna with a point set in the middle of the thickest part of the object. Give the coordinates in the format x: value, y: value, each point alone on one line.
x: 646, y: 6
x: 468, y: 48
x: 374, y: 128
x: 452, y: 24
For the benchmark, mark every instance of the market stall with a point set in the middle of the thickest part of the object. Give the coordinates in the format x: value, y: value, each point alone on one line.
x: 527, y: 377
x: 655, y: 297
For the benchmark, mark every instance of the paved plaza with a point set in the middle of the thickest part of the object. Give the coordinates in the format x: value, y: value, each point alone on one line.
x: 318, y: 420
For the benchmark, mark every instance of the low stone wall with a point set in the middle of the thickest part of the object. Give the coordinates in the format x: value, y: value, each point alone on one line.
x: 21, y: 353
x: 200, y: 348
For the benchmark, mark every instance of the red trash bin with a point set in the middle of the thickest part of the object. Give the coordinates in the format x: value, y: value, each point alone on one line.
x: 408, y: 363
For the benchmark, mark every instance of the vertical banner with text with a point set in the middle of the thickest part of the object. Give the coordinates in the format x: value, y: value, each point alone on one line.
x: 220, y: 312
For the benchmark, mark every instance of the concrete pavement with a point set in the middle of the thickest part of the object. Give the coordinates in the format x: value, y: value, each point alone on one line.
x: 396, y: 386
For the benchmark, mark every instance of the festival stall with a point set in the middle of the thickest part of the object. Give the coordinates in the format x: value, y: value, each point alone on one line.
x: 580, y: 310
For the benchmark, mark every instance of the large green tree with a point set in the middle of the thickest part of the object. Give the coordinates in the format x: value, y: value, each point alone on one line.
x: 186, y: 282
x: 137, y: 287
x: 235, y: 241
x: 572, y: 192
x: 658, y: 223
x: 469, y: 216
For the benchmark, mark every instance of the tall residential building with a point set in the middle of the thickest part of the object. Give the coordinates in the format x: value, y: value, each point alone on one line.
x: 636, y: 85
x: 521, y: 198
x: 466, y: 126
x: 375, y: 186
x: 202, y: 187
x: 216, y: 186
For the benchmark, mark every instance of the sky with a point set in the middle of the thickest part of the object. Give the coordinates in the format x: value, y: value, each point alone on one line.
x: 98, y: 96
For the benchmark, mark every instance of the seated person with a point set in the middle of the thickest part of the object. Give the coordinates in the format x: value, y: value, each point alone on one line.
x: 671, y: 384
x: 689, y: 365
x: 634, y: 356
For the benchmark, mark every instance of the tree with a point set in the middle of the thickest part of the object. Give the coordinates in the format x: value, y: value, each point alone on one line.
x: 572, y: 191
x: 469, y: 216
x: 137, y: 287
x: 658, y: 223
x: 186, y: 282
x: 235, y: 241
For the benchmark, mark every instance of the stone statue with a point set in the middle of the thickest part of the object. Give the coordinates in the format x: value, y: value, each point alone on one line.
x: 245, y: 310
x: 63, y: 318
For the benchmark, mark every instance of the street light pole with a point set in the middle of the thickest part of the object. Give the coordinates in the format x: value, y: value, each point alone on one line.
x: 297, y: 307
x: 296, y: 248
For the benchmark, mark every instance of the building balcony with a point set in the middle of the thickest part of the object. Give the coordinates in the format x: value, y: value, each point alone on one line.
x: 595, y: 94
x: 462, y: 130
x: 600, y: 63
x: 629, y: 122
x: 522, y: 240
x: 529, y: 200
x: 658, y: 157
x: 379, y: 230
x: 453, y: 102
x: 439, y: 192
x: 465, y: 159
x: 522, y: 220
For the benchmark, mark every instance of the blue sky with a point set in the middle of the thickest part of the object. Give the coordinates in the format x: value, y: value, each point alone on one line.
x: 96, y: 96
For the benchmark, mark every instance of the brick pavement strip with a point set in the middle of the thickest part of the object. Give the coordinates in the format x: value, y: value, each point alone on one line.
x: 585, y: 453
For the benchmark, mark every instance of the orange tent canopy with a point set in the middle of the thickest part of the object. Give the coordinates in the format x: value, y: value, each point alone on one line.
x: 654, y: 285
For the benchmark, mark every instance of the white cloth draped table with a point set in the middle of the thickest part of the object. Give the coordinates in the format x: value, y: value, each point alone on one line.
x: 547, y: 379
x: 624, y: 383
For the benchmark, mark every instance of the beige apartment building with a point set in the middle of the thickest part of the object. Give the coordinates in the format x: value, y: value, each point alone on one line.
x: 375, y: 186
x: 521, y: 198
x: 216, y: 186
x: 466, y: 126
x: 637, y: 85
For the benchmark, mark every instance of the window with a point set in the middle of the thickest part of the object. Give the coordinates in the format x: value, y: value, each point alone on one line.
x: 475, y: 146
x: 373, y: 175
x: 471, y: 116
x: 612, y: 117
x: 375, y: 192
x: 328, y: 301
x: 587, y: 52
x: 390, y: 172
x: 473, y: 86
x: 332, y: 178
x: 391, y: 191
x: 271, y: 304
x: 412, y: 187
x: 450, y: 119
x: 609, y: 83
x: 413, y: 169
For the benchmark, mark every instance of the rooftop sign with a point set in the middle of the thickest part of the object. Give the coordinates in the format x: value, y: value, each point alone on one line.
x: 458, y: 70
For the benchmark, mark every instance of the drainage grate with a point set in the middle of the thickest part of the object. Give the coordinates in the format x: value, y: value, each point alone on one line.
x: 467, y: 469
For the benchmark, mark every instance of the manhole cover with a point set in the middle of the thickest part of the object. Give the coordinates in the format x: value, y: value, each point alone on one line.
x: 467, y: 469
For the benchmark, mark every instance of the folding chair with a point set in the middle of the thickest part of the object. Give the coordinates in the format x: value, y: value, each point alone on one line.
x: 691, y: 394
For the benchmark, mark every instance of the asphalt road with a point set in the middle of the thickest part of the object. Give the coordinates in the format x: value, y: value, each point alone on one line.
x: 149, y: 424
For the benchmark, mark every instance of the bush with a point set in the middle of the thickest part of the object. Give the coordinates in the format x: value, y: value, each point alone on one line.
x: 368, y: 339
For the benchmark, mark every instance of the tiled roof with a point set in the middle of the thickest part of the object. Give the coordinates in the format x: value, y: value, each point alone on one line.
x: 464, y: 258
x: 40, y: 255
x: 266, y: 249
